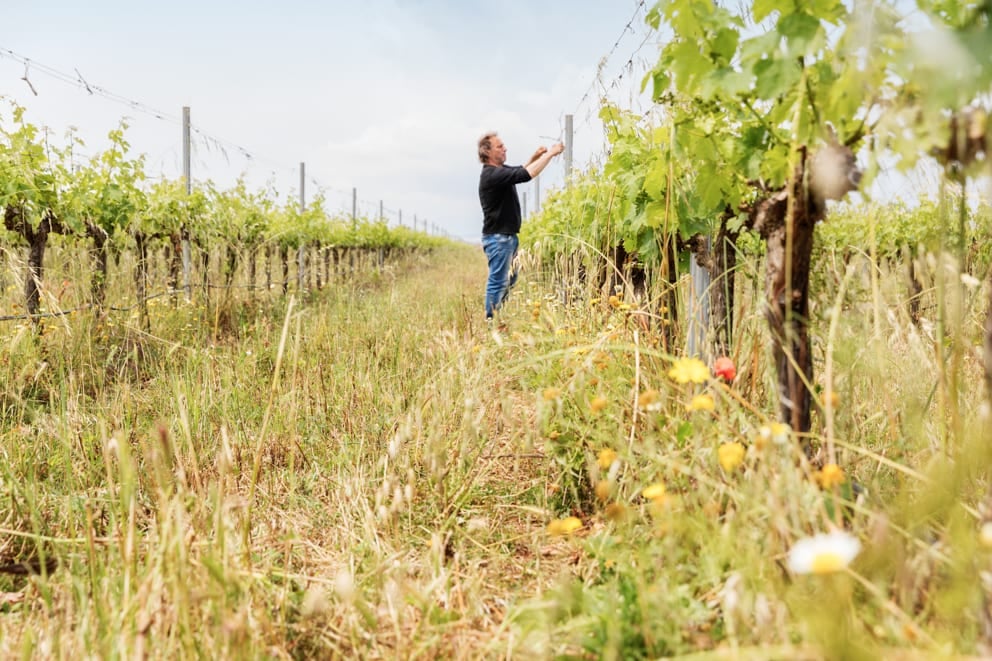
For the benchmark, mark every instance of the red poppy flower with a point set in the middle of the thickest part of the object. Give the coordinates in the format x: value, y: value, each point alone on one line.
x: 724, y: 368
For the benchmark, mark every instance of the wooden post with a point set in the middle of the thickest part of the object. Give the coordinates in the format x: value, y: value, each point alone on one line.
x: 187, y: 175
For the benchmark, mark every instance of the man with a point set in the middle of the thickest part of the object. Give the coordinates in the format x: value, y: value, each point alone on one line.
x: 501, y: 211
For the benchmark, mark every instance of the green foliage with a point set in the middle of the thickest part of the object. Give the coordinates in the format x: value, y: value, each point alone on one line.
x: 110, y: 193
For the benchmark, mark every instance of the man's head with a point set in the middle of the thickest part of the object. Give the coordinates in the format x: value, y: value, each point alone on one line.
x: 492, y: 151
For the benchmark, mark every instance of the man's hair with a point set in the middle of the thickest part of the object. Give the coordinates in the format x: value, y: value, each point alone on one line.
x: 485, y: 145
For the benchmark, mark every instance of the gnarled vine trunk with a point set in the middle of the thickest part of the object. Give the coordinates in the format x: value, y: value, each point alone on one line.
x: 141, y: 279
x: 786, y: 220
x: 98, y: 281
x: 175, y: 265
x: 37, y: 238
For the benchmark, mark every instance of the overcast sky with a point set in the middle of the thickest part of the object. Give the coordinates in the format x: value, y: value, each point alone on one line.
x: 386, y: 96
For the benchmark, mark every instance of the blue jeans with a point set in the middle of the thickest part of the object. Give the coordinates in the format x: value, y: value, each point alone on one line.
x: 500, y: 250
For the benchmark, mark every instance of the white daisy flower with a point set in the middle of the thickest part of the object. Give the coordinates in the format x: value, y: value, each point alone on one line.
x: 823, y: 553
x: 985, y: 534
x: 970, y: 281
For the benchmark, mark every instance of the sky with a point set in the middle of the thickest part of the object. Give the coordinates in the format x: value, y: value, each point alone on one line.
x: 385, y: 97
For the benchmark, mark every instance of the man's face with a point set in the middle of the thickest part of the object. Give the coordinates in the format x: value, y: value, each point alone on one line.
x: 497, y: 152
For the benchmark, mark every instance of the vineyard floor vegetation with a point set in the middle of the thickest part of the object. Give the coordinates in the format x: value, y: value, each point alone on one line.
x: 368, y: 471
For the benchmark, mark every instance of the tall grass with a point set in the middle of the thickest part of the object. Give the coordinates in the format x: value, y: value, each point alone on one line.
x: 368, y: 471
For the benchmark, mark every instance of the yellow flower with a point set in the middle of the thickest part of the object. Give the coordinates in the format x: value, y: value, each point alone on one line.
x: 823, y: 554
x: 832, y: 399
x: 655, y: 491
x: 603, y: 490
x: 597, y: 404
x: 594, y: 301
x: 551, y: 393
x: 553, y: 435
x: 702, y: 402
x: 567, y: 526
x: 686, y: 370
x: 615, y: 301
x: 606, y: 458
x: 830, y: 476
x: 615, y: 512
x: 731, y: 456
x: 649, y: 400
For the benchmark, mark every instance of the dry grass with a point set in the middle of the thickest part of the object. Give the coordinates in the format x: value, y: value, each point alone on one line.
x: 368, y: 472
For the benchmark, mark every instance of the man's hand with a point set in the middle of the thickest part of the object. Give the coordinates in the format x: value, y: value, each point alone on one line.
x: 542, y: 157
x: 537, y: 154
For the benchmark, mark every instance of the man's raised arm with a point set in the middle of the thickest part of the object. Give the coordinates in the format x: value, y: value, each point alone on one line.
x: 542, y: 157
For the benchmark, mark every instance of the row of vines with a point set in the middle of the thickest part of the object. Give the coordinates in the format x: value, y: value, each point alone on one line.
x: 108, y: 206
x: 765, y: 116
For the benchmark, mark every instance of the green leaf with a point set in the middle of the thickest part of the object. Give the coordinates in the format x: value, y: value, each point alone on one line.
x: 689, y: 66
x: 800, y: 31
x: 655, y: 214
x: 762, y: 9
x: 725, y: 82
x: 725, y: 44
x: 775, y: 77
x: 762, y: 47
x: 653, y: 17
x: 775, y: 167
x: 647, y: 247
x: 656, y: 179
x: 709, y: 191
x: 660, y: 80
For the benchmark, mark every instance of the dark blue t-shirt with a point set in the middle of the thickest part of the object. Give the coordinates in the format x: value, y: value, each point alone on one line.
x: 498, y: 196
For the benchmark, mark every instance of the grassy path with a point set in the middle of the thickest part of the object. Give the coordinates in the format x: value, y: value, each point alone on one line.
x: 388, y: 518
x: 371, y: 473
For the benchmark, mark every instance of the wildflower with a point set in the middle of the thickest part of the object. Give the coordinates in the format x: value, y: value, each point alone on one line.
x: 777, y: 432
x: 686, y: 370
x: 551, y: 393
x: 655, y: 491
x: 615, y: 512
x: 712, y: 509
x: 606, y: 458
x: 731, y: 456
x: 985, y: 535
x: 567, y: 526
x: 823, y: 553
x: 594, y: 301
x: 344, y: 585
x: 702, y: 402
x: 724, y: 368
x: 603, y: 489
x: 832, y: 399
x: 615, y: 301
x: 830, y: 476
x: 649, y: 400
x: 780, y: 432
x: 597, y: 404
